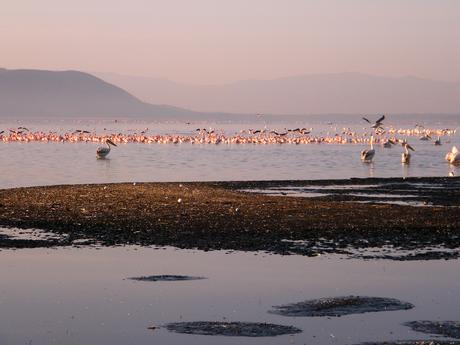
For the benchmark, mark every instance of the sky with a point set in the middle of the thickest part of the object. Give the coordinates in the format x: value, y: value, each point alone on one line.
x: 221, y: 41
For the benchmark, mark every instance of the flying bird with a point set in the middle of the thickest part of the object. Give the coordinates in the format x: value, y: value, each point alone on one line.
x: 378, y: 124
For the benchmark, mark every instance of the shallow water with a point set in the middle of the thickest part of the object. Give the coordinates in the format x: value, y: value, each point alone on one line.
x: 28, y: 164
x: 80, y: 296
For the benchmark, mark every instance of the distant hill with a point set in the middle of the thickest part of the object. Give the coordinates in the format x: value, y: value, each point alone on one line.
x: 345, y: 93
x: 72, y: 93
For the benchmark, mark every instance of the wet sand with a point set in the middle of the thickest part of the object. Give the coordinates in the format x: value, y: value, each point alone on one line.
x: 212, y: 216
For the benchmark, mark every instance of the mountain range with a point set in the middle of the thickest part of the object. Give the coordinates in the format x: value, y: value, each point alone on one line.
x: 342, y: 93
x: 29, y: 93
x: 72, y: 93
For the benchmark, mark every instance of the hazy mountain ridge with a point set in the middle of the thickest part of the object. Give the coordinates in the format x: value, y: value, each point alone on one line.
x: 71, y: 93
x: 343, y: 93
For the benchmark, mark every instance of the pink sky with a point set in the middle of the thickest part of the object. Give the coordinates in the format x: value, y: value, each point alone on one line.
x: 219, y: 41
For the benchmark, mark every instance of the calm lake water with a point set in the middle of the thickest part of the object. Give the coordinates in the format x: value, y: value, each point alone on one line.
x: 80, y: 296
x: 28, y: 164
x: 75, y: 296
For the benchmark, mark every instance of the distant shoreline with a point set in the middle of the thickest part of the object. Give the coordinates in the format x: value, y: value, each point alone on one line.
x: 216, y: 215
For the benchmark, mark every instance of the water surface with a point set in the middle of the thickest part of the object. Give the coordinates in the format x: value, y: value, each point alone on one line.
x: 80, y: 296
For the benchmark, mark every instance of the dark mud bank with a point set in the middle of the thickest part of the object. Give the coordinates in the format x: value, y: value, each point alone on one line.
x: 217, y: 215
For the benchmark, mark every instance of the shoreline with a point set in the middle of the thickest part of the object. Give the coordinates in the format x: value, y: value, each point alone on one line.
x: 217, y: 215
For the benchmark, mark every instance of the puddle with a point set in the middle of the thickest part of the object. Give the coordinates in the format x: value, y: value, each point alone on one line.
x: 340, y: 306
x: 28, y: 234
x: 450, y: 329
x: 285, y: 192
x: 382, y: 195
x: 74, y: 296
x: 394, y: 193
x: 165, y: 278
x: 386, y: 253
x: 232, y: 329
x: 396, y: 202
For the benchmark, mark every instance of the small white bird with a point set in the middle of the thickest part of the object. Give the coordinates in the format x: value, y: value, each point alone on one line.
x: 368, y: 154
x: 405, y: 156
x: 102, y: 152
x: 453, y: 157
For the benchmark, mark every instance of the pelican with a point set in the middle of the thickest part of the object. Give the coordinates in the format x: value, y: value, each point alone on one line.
x: 453, y: 157
x: 102, y: 152
x: 367, y: 155
x: 437, y: 142
x: 405, y: 156
x: 378, y: 124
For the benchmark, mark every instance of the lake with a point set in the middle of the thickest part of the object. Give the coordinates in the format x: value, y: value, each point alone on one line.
x: 37, y: 163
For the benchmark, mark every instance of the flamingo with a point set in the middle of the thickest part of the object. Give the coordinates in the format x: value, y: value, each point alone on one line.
x: 387, y: 144
x: 102, y: 152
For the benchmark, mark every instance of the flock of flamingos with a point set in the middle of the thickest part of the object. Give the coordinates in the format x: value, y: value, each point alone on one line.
x: 378, y: 134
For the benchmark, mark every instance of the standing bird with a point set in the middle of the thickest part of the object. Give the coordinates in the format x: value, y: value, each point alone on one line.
x: 405, y: 156
x: 368, y: 155
x: 453, y: 157
x: 102, y: 152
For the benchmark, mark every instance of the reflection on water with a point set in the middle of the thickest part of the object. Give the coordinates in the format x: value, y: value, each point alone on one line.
x: 81, y: 296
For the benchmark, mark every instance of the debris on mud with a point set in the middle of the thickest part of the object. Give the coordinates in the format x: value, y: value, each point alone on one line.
x: 339, y: 306
x: 165, y: 278
x: 232, y: 329
x: 449, y: 329
x: 218, y: 216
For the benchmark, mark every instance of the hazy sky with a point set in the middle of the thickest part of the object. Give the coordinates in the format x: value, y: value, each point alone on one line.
x: 218, y: 41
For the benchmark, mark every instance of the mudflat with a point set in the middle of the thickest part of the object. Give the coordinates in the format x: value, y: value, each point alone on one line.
x: 218, y: 215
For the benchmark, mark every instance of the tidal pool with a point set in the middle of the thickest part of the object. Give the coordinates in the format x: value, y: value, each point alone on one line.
x: 81, y: 295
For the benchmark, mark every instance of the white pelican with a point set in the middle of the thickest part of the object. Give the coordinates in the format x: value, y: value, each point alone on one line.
x: 405, y: 156
x: 102, y: 152
x: 453, y: 157
x: 378, y: 124
x: 367, y: 155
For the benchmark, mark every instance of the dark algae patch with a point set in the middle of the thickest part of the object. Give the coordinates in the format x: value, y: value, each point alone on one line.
x: 340, y: 306
x: 218, y: 216
x: 231, y: 329
x: 165, y: 278
x: 449, y: 329
x: 414, y: 342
